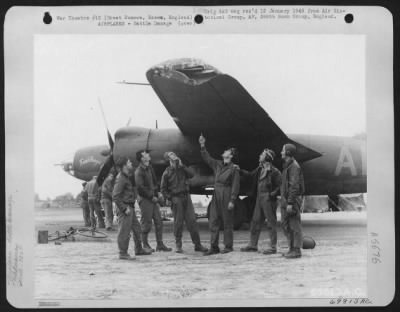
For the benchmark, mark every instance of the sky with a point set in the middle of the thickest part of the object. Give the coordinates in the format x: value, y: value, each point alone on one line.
x: 309, y: 84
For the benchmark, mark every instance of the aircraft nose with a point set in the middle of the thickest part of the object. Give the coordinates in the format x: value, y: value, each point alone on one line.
x: 67, y: 166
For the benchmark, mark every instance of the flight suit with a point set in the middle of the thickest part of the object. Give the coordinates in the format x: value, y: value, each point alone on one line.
x: 268, y: 184
x: 292, y: 190
x: 106, y: 200
x: 146, y: 183
x: 123, y: 195
x: 94, y: 205
x: 175, y: 187
x: 85, y: 206
x: 226, y: 189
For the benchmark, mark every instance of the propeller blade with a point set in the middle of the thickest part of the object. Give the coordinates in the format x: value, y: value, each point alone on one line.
x: 105, y: 170
x: 110, y: 139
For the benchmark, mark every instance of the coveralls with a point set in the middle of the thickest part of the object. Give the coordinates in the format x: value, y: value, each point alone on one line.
x: 175, y: 187
x: 268, y: 181
x: 226, y: 189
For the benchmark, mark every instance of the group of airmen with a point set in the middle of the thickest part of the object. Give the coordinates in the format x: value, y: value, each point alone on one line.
x: 141, y: 185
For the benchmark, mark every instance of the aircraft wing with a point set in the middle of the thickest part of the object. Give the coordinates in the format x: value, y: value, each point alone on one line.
x: 202, y: 100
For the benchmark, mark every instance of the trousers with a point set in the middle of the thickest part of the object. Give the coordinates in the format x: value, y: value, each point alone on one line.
x: 126, y: 225
x: 291, y: 223
x: 94, y: 207
x: 183, y: 212
x: 108, y: 211
x: 264, y: 208
x: 86, y: 213
x: 151, y: 212
x: 219, y: 214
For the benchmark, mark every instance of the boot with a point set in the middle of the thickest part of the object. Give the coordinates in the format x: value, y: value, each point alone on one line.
x: 201, y: 248
x: 269, y: 251
x: 226, y: 250
x: 211, y: 251
x: 295, y: 253
x: 139, y: 251
x: 162, y: 247
x: 126, y: 257
x: 146, y: 243
x: 248, y: 248
x: 178, y: 248
x: 290, y: 247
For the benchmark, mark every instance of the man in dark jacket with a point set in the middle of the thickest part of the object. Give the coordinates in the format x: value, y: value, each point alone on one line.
x: 292, y: 190
x: 226, y: 191
x: 106, y: 199
x: 175, y: 188
x: 268, y: 179
x: 124, y: 197
x: 94, y: 203
x: 85, y: 204
x: 149, y: 198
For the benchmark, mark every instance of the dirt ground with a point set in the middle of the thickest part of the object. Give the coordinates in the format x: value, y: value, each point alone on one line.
x: 87, y: 269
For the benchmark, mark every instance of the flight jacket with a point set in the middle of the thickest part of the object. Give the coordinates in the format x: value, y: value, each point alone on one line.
x: 174, y: 181
x: 123, y: 193
x: 146, y: 182
x: 225, y: 175
x: 292, y: 181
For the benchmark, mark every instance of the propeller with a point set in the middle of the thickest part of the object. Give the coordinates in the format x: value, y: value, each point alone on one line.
x: 109, y: 163
x: 110, y: 139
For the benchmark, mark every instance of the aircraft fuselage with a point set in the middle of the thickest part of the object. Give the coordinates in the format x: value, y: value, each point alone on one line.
x: 341, y: 169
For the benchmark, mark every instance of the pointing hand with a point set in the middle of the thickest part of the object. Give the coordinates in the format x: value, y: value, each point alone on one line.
x: 202, y: 140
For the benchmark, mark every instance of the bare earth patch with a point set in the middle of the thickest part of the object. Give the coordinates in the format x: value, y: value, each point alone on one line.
x: 86, y: 269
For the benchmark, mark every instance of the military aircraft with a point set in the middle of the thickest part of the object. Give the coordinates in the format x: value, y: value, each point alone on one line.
x: 201, y: 99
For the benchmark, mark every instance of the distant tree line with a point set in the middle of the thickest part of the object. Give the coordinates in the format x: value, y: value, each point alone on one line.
x: 64, y: 200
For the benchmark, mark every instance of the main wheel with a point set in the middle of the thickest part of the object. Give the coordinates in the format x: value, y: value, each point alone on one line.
x: 91, y: 233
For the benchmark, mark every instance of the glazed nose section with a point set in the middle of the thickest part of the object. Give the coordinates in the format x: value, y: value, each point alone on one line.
x: 69, y: 168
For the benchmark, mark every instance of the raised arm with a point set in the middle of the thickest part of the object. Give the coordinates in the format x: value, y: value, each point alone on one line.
x: 164, y: 185
x: 250, y: 174
x: 213, y: 163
